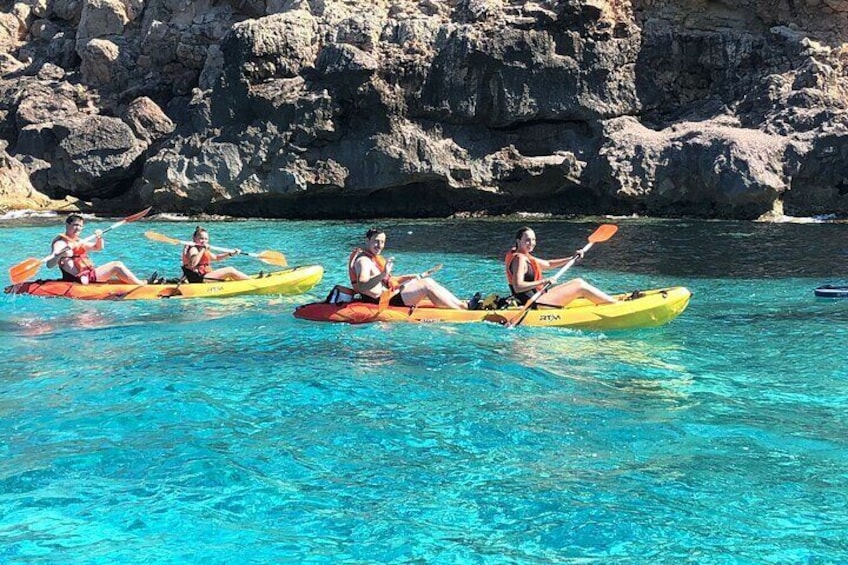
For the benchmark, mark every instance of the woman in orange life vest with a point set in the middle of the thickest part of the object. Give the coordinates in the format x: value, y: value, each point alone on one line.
x: 197, y: 261
x: 370, y: 275
x: 524, y: 274
x: 71, y: 256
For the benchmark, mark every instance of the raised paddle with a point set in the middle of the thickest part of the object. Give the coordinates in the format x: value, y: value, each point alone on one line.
x: 601, y: 234
x: 387, y: 294
x: 270, y: 257
x: 26, y: 269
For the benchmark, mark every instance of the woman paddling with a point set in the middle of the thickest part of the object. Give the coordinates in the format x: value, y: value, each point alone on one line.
x: 524, y: 275
x: 197, y: 261
x: 70, y: 254
x: 370, y: 275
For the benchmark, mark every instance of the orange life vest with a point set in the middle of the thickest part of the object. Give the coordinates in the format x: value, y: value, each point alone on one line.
x: 534, y: 273
x: 389, y: 282
x: 203, y: 266
x: 79, y: 259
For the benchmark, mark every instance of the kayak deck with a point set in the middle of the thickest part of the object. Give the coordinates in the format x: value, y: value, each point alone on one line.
x: 292, y: 281
x: 643, y: 309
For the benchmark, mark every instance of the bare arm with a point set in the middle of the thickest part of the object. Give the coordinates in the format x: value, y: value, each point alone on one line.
x: 98, y: 242
x: 366, y: 277
x: 519, y: 284
x: 61, y: 250
x: 556, y: 263
x: 226, y: 254
x: 194, y: 254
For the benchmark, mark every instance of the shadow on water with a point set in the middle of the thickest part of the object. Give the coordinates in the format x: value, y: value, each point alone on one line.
x: 645, y: 246
x: 115, y: 316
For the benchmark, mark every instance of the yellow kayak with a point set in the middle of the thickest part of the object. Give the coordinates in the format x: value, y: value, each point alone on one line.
x: 287, y: 282
x: 642, y: 309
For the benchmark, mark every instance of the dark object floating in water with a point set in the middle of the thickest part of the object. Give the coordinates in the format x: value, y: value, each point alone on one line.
x: 832, y: 291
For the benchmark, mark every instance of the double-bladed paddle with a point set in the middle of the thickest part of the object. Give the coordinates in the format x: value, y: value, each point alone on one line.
x: 387, y: 294
x: 270, y: 257
x: 27, y: 268
x: 601, y: 234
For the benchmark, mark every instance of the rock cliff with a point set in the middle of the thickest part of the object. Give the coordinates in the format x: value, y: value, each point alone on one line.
x: 343, y: 108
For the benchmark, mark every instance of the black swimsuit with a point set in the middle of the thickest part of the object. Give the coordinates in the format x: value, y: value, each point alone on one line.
x: 192, y: 276
x: 396, y: 300
x: 524, y: 297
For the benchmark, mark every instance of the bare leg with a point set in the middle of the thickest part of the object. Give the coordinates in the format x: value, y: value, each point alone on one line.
x: 116, y: 270
x: 562, y: 294
x: 225, y: 274
x: 415, y: 291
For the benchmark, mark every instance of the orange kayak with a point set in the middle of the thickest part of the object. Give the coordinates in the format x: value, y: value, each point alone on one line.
x: 644, y: 309
x: 288, y: 282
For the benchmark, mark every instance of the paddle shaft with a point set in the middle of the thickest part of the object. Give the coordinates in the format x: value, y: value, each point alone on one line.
x: 29, y: 267
x: 523, y: 313
x: 92, y: 238
x: 267, y: 256
x: 222, y: 249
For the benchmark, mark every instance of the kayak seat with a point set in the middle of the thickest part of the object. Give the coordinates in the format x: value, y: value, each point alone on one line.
x: 506, y: 302
x: 340, y: 295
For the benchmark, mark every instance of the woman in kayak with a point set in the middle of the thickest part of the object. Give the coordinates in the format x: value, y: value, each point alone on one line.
x: 524, y: 274
x: 197, y: 261
x: 70, y: 254
x: 370, y: 275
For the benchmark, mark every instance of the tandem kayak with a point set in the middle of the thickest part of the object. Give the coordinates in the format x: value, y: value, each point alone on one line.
x: 289, y: 281
x: 643, y: 309
x: 831, y: 291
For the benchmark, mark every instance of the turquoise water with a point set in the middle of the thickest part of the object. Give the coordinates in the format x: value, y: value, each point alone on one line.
x: 229, y: 432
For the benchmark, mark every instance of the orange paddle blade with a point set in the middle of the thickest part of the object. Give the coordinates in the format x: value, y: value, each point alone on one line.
x: 156, y: 236
x: 28, y: 267
x: 272, y: 258
x: 603, y: 233
x: 24, y: 270
x: 138, y: 215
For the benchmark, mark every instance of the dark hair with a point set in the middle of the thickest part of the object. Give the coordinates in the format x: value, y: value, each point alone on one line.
x: 197, y: 231
x: 73, y: 218
x: 372, y: 232
x: 520, y: 233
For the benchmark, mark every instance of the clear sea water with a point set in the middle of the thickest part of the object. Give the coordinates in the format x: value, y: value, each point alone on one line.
x: 228, y: 432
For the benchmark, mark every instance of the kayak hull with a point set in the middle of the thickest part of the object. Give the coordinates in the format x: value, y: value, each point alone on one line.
x: 832, y: 291
x: 286, y: 282
x: 649, y: 309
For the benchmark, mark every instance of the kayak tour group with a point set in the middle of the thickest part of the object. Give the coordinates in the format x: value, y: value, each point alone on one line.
x: 373, y: 293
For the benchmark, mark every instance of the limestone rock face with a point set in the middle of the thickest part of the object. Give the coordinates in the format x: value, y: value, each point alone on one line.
x: 721, y: 166
x: 91, y: 157
x: 42, y: 105
x: 340, y: 108
x: 148, y: 121
x: 100, y: 18
x: 16, y: 190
